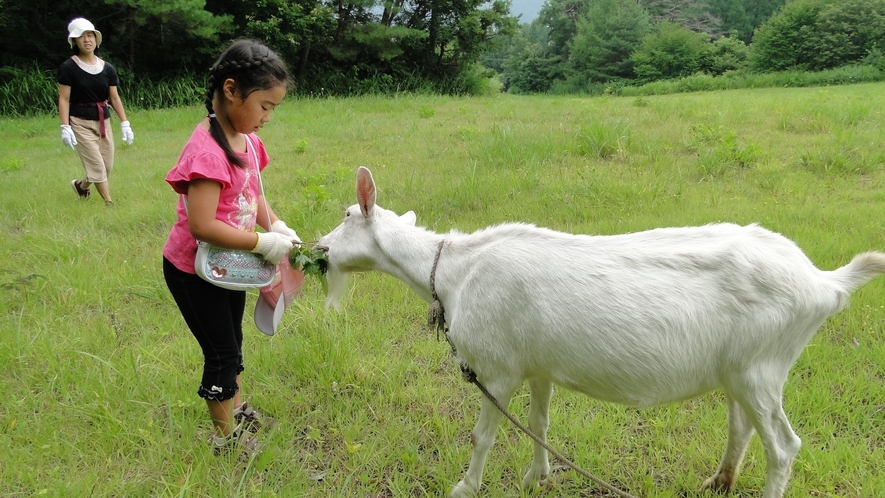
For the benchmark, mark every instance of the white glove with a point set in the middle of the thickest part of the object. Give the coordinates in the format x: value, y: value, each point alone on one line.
x: 126, y: 130
x: 273, y: 246
x: 67, y: 136
x: 279, y: 226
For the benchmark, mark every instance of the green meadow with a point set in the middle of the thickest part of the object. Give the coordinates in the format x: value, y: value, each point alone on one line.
x: 99, y: 372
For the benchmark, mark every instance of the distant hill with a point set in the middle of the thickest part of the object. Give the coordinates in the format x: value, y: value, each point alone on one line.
x: 528, y: 8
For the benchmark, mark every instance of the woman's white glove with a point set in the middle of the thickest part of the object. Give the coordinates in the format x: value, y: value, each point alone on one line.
x: 279, y: 226
x: 67, y: 136
x: 126, y: 130
x: 273, y: 246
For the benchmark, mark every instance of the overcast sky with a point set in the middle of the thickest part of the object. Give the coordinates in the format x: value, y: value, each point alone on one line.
x: 528, y: 8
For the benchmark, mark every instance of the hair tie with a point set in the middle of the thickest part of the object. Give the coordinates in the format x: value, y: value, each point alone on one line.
x: 212, y: 116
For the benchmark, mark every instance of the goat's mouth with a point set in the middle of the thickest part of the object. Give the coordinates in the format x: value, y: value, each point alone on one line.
x: 324, y: 260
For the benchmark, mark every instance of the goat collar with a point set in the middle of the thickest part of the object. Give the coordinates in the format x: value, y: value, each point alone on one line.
x: 436, y: 316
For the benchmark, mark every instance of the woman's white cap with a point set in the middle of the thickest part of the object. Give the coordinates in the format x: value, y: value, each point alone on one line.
x: 79, y: 26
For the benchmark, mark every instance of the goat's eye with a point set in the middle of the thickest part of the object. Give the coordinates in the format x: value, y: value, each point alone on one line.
x: 347, y: 213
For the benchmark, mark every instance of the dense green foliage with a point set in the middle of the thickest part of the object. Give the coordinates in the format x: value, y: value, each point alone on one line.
x: 820, y: 34
x: 743, y: 17
x: 591, y: 43
x: 788, y: 39
x: 673, y: 51
x: 162, y: 47
x: 605, y: 38
x: 595, y: 45
x: 728, y: 53
x: 367, y: 46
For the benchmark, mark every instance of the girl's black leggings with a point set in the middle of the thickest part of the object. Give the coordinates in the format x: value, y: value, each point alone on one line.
x: 215, y: 318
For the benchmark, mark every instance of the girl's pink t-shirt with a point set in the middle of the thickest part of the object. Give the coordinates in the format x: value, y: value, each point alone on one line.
x: 202, y: 157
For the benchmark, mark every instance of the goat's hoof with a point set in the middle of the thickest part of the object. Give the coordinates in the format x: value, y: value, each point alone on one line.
x: 531, y: 481
x: 536, y: 476
x: 720, y: 483
x: 463, y: 490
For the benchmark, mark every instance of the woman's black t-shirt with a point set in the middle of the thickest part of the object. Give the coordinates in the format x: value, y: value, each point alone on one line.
x: 87, y: 88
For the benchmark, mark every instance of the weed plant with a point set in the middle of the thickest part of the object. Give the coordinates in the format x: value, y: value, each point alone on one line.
x: 100, y: 372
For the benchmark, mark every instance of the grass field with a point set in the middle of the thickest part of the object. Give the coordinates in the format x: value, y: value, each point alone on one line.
x: 100, y: 373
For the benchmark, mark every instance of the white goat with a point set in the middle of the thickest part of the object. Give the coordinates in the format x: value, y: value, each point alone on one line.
x: 640, y: 319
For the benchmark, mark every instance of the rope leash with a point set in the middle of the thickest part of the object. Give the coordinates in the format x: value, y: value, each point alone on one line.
x: 436, y: 317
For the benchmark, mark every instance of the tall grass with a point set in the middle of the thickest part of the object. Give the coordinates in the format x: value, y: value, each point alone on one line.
x: 100, y: 372
x: 28, y: 92
x: 34, y: 91
x: 846, y: 75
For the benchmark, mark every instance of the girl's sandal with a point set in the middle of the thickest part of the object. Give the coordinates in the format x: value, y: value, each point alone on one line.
x: 251, y: 419
x: 239, y: 441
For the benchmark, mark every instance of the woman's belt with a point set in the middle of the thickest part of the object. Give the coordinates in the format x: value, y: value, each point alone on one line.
x: 102, y: 107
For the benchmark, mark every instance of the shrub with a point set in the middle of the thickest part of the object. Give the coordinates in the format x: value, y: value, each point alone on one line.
x: 849, y: 30
x: 786, y: 41
x: 728, y: 54
x: 819, y: 34
x: 530, y: 71
x: 672, y: 52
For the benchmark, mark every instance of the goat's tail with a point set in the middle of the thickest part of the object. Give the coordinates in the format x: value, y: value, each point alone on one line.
x: 863, y: 268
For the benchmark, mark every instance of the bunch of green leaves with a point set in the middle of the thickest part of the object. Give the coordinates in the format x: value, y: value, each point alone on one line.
x: 311, y: 261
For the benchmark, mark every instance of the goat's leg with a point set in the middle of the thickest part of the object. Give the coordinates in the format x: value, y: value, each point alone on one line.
x: 483, y: 439
x: 740, y: 431
x: 780, y: 450
x: 539, y: 419
x: 762, y: 404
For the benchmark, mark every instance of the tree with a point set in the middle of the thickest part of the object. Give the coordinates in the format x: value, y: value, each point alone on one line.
x: 302, y: 32
x: 692, y: 14
x: 458, y: 32
x: 849, y: 30
x: 744, y: 16
x: 530, y: 70
x: 180, y: 27
x: 533, y: 33
x: 672, y: 52
x: 728, y: 53
x: 35, y: 30
x: 785, y: 41
x: 609, y: 32
x: 139, y: 36
x: 561, y: 17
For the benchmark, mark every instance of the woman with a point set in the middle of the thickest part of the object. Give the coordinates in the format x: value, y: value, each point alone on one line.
x: 86, y: 84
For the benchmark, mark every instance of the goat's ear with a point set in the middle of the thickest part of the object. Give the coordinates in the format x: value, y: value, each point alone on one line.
x: 365, y: 190
x: 408, y: 217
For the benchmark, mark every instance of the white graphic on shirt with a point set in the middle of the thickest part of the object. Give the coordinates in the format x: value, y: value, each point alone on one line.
x: 246, y: 207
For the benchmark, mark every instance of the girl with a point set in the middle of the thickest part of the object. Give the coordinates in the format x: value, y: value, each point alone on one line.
x: 217, y: 177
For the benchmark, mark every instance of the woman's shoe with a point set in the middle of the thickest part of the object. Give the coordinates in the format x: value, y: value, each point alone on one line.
x: 82, y: 192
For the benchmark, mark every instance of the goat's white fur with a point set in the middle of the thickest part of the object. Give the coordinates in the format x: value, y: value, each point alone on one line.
x: 640, y: 319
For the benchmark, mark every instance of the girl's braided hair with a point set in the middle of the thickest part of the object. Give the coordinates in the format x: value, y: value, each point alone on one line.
x: 252, y: 66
